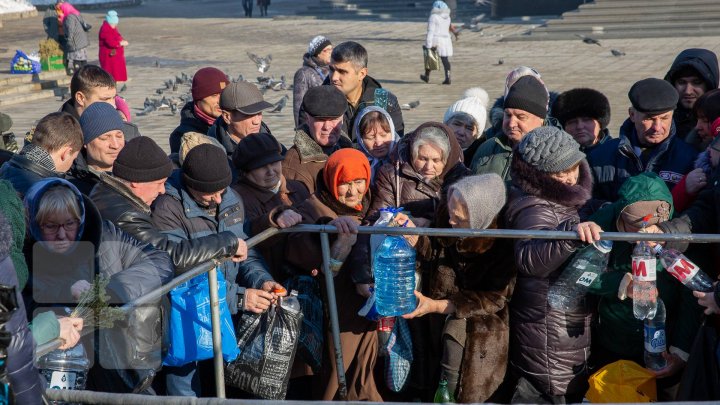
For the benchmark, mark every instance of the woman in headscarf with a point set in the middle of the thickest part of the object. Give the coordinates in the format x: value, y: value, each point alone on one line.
x: 75, y: 29
x: 112, y: 50
x: 438, y: 37
x: 376, y: 137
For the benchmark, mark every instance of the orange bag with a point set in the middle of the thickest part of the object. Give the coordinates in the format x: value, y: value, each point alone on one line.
x: 622, y: 381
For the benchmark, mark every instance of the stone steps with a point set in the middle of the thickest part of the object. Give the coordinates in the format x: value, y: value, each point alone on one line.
x: 17, y: 89
x: 383, y: 10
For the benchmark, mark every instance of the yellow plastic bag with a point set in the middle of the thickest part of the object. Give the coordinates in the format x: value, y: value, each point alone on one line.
x: 622, y: 381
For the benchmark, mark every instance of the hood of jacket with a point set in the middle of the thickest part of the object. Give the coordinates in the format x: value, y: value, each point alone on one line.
x: 403, y: 150
x: 537, y: 183
x: 375, y: 163
x: 312, y: 62
x: 646, y: 186
x: 702, y: 60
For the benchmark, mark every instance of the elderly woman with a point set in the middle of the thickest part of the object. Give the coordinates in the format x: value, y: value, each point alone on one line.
x: 467, y: 118
x: 472, y: 284
x: 376, y: 137
x: 112, y: 49
x: 73, y: 246
x: 551, y: 189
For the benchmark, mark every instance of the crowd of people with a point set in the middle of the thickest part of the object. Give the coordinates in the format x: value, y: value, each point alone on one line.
x: 88, y: 196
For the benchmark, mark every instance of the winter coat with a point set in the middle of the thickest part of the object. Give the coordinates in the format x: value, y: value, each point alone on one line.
x: 375, y: 163
x: 262, y: 207
x: 188, y: 123
x: 50, y: 24
x: 494, y: 156
x: 705, y: 63
x: 438, y: 32
x: 618, y: 331
x: 308, y: 76
x: 681, y: 198
x: 548, y: 347
x: 23, y: 173
x: 305, y: 159
x: 177, y: 215
x: 130, y: 130
x: 82, y: 176
x: 12, y: 209
x: 76, y: 33
x: 26, y: 383
x: 112, y: 54
x: 119, y: 205
x: 616, y: 160
x: 604, y: 137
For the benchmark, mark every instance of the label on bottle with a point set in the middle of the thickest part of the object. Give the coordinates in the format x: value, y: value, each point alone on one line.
x: 644, y: 268
x: 581, y: 264
x: 683, y: 270
x: 62, y: 380
x: 654, y: 339
x: 586, y: 278
x: 386, y: 324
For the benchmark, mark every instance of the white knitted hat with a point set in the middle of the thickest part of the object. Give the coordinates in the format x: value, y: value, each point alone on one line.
x: 474, y: 103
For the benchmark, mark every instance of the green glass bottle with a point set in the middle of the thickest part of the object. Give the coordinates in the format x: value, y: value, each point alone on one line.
x: 443, y: 395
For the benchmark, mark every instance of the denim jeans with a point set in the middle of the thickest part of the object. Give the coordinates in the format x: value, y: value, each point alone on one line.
x: 183, y: 381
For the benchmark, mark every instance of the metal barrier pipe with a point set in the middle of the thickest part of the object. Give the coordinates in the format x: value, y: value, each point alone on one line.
x: 334, y: 322
x: 216, y: 338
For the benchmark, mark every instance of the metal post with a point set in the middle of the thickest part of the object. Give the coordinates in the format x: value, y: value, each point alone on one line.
x: 216, y: 337
x: 334, y: 323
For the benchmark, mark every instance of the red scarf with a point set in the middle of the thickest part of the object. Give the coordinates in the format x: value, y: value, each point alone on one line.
x: 198, y: 113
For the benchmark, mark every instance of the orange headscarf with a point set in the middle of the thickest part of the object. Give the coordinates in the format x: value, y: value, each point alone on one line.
x: 343, y: 166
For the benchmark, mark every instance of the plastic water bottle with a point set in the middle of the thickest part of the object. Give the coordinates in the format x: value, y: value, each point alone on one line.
x: 291, y: 302
x: 572, y: 285
x: 684, y: 270
x: 655, y: 344
x: 394, y: 270
x: 443, y: 395
x: 644, y: 281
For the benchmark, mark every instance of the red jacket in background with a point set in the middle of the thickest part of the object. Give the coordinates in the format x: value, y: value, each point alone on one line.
x: 112, y: 55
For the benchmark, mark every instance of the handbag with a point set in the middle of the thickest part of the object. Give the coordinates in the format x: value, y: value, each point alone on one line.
x: 432, y: 58
x: 191, y: 324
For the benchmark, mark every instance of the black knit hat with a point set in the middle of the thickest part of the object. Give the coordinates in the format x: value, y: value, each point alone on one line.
x: 206, y: 169
x: 528, y: 94
x: 325, y: 102
x: 653, y: 96
x: 141, y: 161
x: 582, y: 103
x: 255, y: 151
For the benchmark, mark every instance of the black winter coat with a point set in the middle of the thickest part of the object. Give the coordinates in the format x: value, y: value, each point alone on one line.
x: 23, y: 173
x: 189, y: 122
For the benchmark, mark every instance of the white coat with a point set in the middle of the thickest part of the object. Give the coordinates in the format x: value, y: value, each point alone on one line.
x: 438, y: 32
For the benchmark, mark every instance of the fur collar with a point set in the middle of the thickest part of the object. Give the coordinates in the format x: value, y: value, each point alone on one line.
x: 120, y: 188
x: 703, y: 162
x: 310, y: 151
x: 540, y: 184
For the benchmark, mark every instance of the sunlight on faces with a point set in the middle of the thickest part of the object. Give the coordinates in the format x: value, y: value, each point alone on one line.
x: 241, y: 125
x: 569, y: 176
x: 429, y: 161
x: 325, y: 131
x: 517, y: 123
x: 463, y: 125
x: 689, y: 88
x: 103, y: 150
x: 267, y: 176
x: 377, y: 141
x: 585, y: 130
x: 457, y: 209
x: 346, y: 77
x: 149, y: 191
x: 102, y: 94
x: 210, y: 105
x: 651, y: 129
x: 351, y: 193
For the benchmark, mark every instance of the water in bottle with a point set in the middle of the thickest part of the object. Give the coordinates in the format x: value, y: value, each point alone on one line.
x: 567, y: 292
x: 644, y: 281
x: 655, y: 344
x: 394, y: 271
x: 291, y: 302
x: 684, y: 270
x: 443, y: 395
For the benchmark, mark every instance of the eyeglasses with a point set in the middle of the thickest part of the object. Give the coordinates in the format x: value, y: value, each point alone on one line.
x: 69, y: 226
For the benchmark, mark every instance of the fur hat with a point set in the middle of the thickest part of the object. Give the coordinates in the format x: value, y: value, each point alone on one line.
x: 483, y: 196
x: 582, y: 103
x: 473, y: 103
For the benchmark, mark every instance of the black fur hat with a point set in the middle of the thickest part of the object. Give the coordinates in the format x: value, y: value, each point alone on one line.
x: 582, y: 103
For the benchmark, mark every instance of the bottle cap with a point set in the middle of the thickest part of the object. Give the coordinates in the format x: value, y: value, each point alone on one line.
x: 279, y: 290
x: 604, y: 246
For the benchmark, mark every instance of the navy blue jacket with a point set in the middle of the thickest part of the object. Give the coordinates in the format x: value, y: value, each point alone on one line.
x: 615, y: 161
x: 177, y: 215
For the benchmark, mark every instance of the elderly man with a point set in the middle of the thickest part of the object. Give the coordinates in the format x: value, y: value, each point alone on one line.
x: 647, y: 142
x: 320, y: 135
x: 694, y: 72
x: 200, y: 114
x: 525, y: 108
x: 584, y: 114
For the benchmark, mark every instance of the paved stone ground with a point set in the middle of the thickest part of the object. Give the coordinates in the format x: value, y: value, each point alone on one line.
x: 186, y: 35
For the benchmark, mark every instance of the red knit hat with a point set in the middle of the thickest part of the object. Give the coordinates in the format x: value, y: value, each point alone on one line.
x: 344, y: 166
x: 208, y: 81
x: 715, y: 128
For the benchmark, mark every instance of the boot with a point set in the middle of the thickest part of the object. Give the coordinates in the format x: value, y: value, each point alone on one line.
x: 447, y: 77
x: 426, y: 76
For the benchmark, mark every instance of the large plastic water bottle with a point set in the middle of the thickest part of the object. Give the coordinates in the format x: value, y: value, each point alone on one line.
x: 569, y: 289
x: 655, y: 344
x: 684, y: 270
x: 394, y: 270
x: 644, y: 281
x: 291, y: 302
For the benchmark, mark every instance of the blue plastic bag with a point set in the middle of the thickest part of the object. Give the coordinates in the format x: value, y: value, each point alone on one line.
x: 399, y: 357
x: 190, y: 326
x: 22, y: 63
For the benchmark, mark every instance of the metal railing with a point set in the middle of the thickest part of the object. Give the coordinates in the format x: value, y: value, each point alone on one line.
x: 324, y: 230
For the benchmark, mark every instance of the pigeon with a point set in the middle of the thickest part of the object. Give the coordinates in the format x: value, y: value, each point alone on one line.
x: 164, y: 103
x: 173, y: 108
x: 168, y: 84
x: 410, y: 105
x: 185, y: 77
x: 280, y: 104
x: 588, y: 40
x: 263, y: 64
x: 148, y: 109
x: 147, y: 102
x: 179, y: 80
x: 500, y: 62
x: 477, y: 19
x: 240, y: 78
x: 159, y: 91
x: 615, y: 52
x: 264, y: 80
x: 175, y: 86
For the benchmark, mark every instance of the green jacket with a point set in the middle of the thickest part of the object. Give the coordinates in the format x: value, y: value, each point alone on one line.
x: 617, y: 329
x: 12, y: 207
x: 493, y: 156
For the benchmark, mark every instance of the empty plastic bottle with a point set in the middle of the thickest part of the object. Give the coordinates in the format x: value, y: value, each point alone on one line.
x: 572, y: 285
x: 291, y: 302
x: 644, y: 281
x: 394, y: 271
x: 443, y: 395
x: 655, y: 344
x: 684, y: 270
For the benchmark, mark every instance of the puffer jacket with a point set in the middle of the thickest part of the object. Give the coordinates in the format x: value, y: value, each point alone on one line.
x: 615, y: 161
x: 618, y: 331
x: 75, y: 32
x: 548, y: 347
x: 438, y: 32
x: 308, y: 76
x: 705, y: 63
x: 177, y: 215
x: 26, y: 383
x: 119, y: 205
x: 188, y: 123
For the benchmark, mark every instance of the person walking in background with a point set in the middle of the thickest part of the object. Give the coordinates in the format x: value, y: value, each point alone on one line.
x: 75, y: 29
x: 438, y: 37
x: 112, y: 49
x: 314, y: 71
x: 247, y: 6
x: 263, y: 4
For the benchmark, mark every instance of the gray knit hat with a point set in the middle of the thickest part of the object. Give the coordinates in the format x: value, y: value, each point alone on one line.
x: 483, y: 195
x: 550, y: 149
